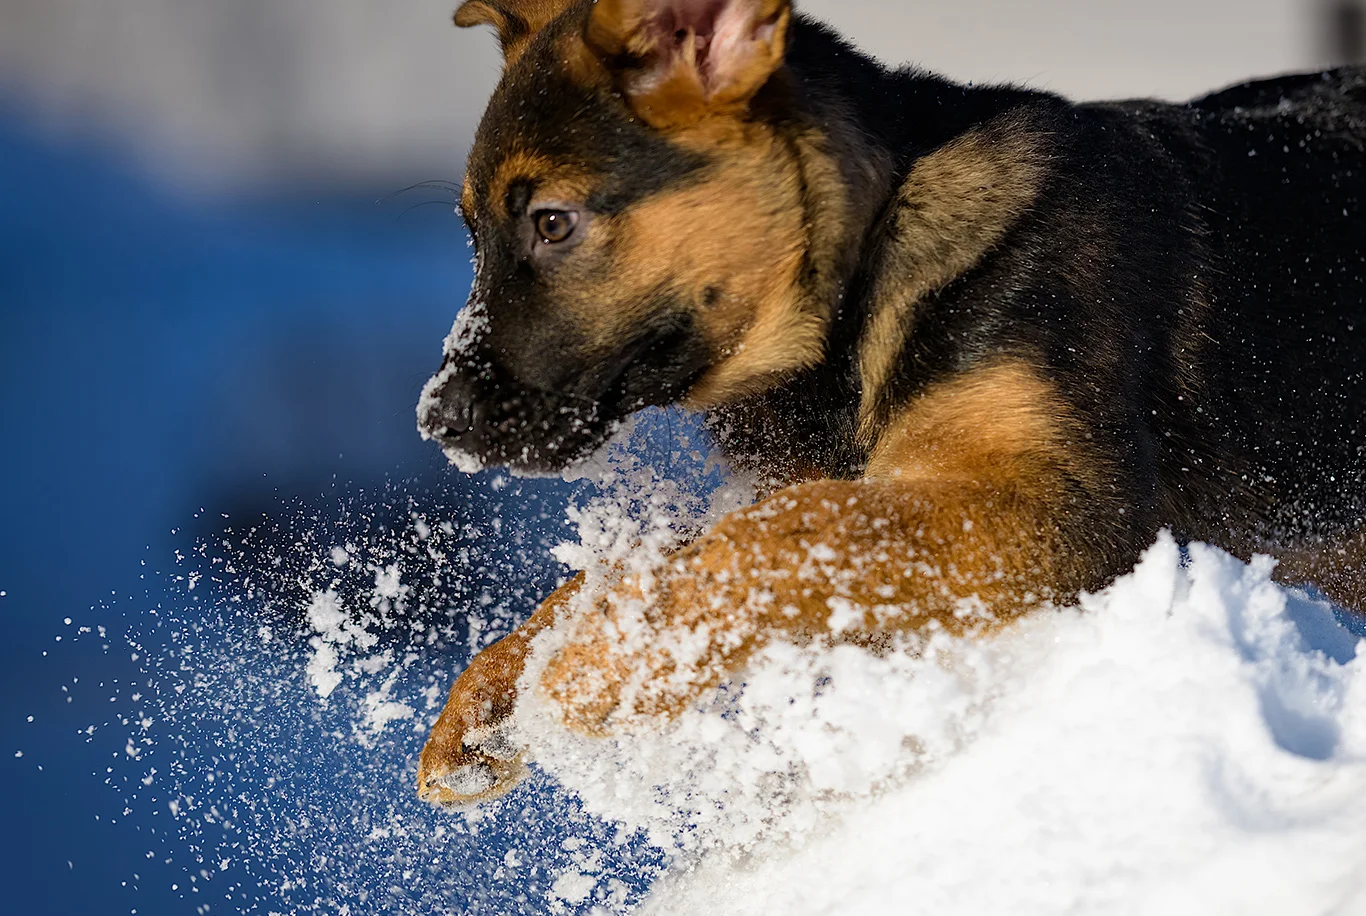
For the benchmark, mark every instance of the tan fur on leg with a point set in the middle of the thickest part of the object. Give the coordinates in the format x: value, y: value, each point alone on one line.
x: 467, y: 758
x: 831, y: 561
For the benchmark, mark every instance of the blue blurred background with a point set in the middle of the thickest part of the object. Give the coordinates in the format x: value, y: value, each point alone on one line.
x: 218, y: 303
x: 166, y: 362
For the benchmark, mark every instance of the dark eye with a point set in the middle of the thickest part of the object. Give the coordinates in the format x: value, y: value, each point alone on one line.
x: 555, y: 225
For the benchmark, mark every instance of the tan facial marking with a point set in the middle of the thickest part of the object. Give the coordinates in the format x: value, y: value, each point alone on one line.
x: 751, y: 245
x: 789, y: 330
x: 954, y: 207
x: 729, y: 247
x: 551, y: 181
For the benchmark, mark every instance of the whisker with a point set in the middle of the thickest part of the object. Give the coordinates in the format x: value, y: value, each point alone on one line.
x: 434, y: 184
x: 425, y: 203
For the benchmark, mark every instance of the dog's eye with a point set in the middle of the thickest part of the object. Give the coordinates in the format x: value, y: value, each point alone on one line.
x: 555, y: 225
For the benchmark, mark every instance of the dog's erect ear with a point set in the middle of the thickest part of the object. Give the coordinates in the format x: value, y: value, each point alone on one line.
x: 515, y: 20
x: 678, y: 61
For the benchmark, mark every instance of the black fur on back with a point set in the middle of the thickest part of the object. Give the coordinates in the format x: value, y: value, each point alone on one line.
x: 1192, y: 279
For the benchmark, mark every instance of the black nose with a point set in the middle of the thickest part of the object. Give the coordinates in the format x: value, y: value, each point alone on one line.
x: 457, y: 406
x: 455, y: 411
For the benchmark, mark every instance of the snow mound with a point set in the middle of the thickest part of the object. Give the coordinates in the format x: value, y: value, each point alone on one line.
x: 1192, y: 739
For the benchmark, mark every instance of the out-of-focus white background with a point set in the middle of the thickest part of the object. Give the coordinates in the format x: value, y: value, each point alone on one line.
x: 344, y: 90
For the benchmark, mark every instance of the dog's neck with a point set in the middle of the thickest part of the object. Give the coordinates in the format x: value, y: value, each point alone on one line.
x: 858, y: 128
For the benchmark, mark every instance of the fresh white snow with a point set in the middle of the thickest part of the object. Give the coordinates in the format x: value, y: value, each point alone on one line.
x: 1193, y: 740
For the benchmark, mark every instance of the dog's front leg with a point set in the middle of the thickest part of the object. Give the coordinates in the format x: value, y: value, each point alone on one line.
x: 826, y: 561
x: 469, y: 757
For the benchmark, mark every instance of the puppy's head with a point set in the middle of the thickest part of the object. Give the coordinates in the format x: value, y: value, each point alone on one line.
x: 638, y: 217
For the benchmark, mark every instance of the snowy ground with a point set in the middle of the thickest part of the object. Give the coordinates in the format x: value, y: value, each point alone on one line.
x: 1191, y: 741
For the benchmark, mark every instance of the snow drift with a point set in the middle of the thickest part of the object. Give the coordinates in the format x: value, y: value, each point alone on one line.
x: 1191, y: 740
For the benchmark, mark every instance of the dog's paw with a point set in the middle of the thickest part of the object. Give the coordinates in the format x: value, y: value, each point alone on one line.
x: 488, y: 764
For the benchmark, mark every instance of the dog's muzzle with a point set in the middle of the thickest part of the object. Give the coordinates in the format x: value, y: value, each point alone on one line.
x: 482, y: 417
x: 483, y: 414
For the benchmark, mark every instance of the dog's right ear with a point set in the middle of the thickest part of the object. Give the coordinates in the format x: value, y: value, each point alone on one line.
x: 515, y: 20
x: 679, y: 61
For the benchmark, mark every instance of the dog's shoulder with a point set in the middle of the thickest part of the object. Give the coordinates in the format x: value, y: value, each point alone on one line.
x: 1021, y: 230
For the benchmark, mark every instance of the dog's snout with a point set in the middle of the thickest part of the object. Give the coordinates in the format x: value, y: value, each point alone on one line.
x: 484, y: 408
x: 452, y: 412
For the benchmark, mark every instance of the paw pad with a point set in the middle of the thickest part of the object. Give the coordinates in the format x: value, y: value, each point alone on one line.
x: 488, y: 765
x: 469, y: 780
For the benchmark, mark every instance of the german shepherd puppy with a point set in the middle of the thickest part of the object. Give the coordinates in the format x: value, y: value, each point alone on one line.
x: 982, y: 343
